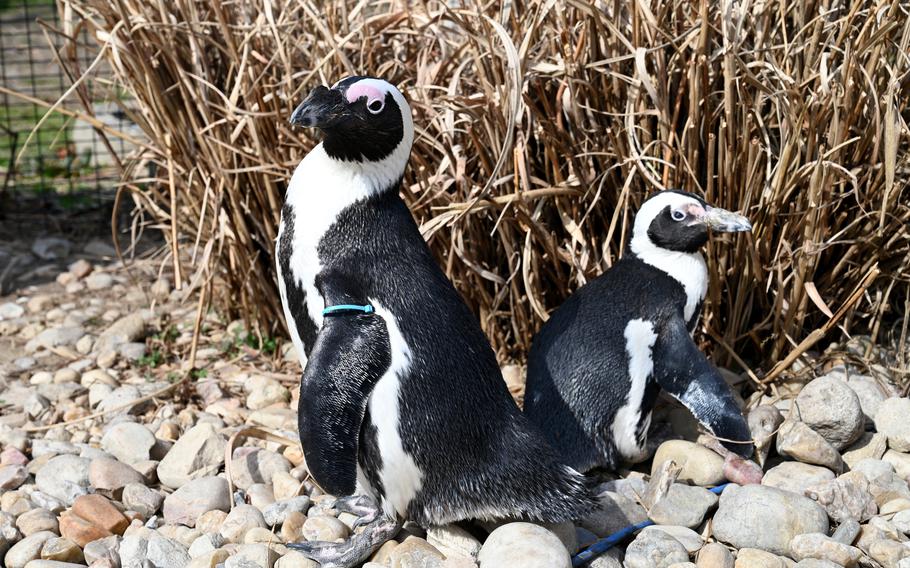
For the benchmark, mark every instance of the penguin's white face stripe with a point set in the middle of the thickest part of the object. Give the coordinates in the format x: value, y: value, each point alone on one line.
x: 640, y: 339
x: 400, y: 476
x: 687, y: 268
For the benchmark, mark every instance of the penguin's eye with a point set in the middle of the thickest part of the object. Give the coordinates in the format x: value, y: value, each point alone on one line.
x: 678, y: 215
x: 375, y: 106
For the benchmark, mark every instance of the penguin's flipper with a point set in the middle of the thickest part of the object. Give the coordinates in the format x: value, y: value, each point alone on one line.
x: 349, y: 357
x: 687, y: 375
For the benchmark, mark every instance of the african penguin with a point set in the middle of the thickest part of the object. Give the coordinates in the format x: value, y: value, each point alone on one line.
x: 596, y: 366
x: 401, y: 398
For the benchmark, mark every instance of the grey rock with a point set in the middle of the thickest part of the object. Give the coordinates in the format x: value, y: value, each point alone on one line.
x: 614, y: 513
x: 277, y: 512
x: 45, y: 501
x: 796, y: 477
x: 686, y: 536
x: 822, y: 547
x: 198, y: 453
x: 526, y: 545
x: 755, y: 558
x: 205, y: 544
x: 767, y: 518
x: 125, y: 330
x: 869, y: 446
x: 847, y: 532
x: 120, y: 398
x: 846, y: 497
x: 654, y: 549
x: 64, y: 477
x: 242, y: 518
x: 899, y: 461
x: 452, y: 540
x: 55, y: 337
x: 195, y: 498
x: 144, y: 500
x: 816, y: 563
x: 252, y: 556
x: 888, y: 553
x: 9, y: 311
x: 872, y: 468
x: 167, y: 553
x: 802, y: 443
x: 831, y: 408
x: 26, y: 550
x: 763, y: 423
x: 683, y: 505
x: 891, y: 420
x: 870, y: 392
x: 129, y: 442
x: 132, y: 351
x: 37, y: 520
x: 53, y: 447
x: 51, y: 248
x: 102, y: 548
x: 257, y: 467
x: 12, y: 477
x: 99, y: 281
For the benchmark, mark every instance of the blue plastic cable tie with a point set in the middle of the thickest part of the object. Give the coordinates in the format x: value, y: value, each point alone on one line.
x: 341, y: 308
x: 612, y: 540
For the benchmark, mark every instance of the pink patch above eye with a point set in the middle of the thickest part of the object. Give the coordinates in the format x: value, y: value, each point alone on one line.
x: 364, y: 89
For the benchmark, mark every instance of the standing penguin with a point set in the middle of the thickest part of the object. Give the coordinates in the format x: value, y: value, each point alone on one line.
x: 401, y: 398
x: 596, y: 366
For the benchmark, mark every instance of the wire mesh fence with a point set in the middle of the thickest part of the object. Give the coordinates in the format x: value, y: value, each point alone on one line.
x: 51, y: 163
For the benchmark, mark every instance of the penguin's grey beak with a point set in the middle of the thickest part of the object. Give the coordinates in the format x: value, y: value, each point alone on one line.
x: 323, y: 108
x: 724, y: 221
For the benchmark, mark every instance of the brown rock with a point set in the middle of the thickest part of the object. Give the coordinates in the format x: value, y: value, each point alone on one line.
x: 211, y: 521
x: 292, y: 529
x: 79, y: 530
x: 99, y: 511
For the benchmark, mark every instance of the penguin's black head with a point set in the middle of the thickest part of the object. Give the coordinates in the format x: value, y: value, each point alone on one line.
x: 362, y: 119
x: 679, y: 221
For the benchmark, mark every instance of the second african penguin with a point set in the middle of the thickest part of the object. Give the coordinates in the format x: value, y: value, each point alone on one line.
x: 596, y: 366
x: 401, y: 397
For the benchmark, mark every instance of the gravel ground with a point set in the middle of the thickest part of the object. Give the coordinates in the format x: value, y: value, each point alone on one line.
x: 144, y: 484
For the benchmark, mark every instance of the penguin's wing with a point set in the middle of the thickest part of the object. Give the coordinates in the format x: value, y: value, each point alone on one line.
x: 349, y: 357
x: 687, y: 375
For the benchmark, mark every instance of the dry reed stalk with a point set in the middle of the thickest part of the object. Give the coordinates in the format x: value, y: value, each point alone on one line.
x: 541, y: 127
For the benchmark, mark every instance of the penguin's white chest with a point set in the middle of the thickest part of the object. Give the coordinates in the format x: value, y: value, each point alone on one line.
x: 319, y: 191
x: 401, y: 478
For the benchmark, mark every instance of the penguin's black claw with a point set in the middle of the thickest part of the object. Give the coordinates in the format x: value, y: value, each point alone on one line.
x: 353, y: 552
x: 361, y: 506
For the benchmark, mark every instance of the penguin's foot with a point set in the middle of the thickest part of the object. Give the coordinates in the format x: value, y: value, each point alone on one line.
x: 353, y: 552
x: 360, y: 506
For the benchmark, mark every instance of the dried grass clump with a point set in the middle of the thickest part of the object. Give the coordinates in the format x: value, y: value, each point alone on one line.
x: 541, y: 127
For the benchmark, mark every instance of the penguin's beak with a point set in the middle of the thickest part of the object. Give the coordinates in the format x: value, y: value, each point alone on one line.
x: 724, y: 221
x: 323, y: 108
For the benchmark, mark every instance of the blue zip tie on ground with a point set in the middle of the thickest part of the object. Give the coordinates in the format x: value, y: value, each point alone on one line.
x: 340, y: 308
x: 609, y: 542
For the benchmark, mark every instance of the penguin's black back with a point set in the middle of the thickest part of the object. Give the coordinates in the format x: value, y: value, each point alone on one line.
x: 578, y: 367
x: 479, y: 455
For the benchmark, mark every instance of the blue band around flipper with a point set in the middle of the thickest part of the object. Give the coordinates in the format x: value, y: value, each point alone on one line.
x: 341, y: 309
x: 609, y: 542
